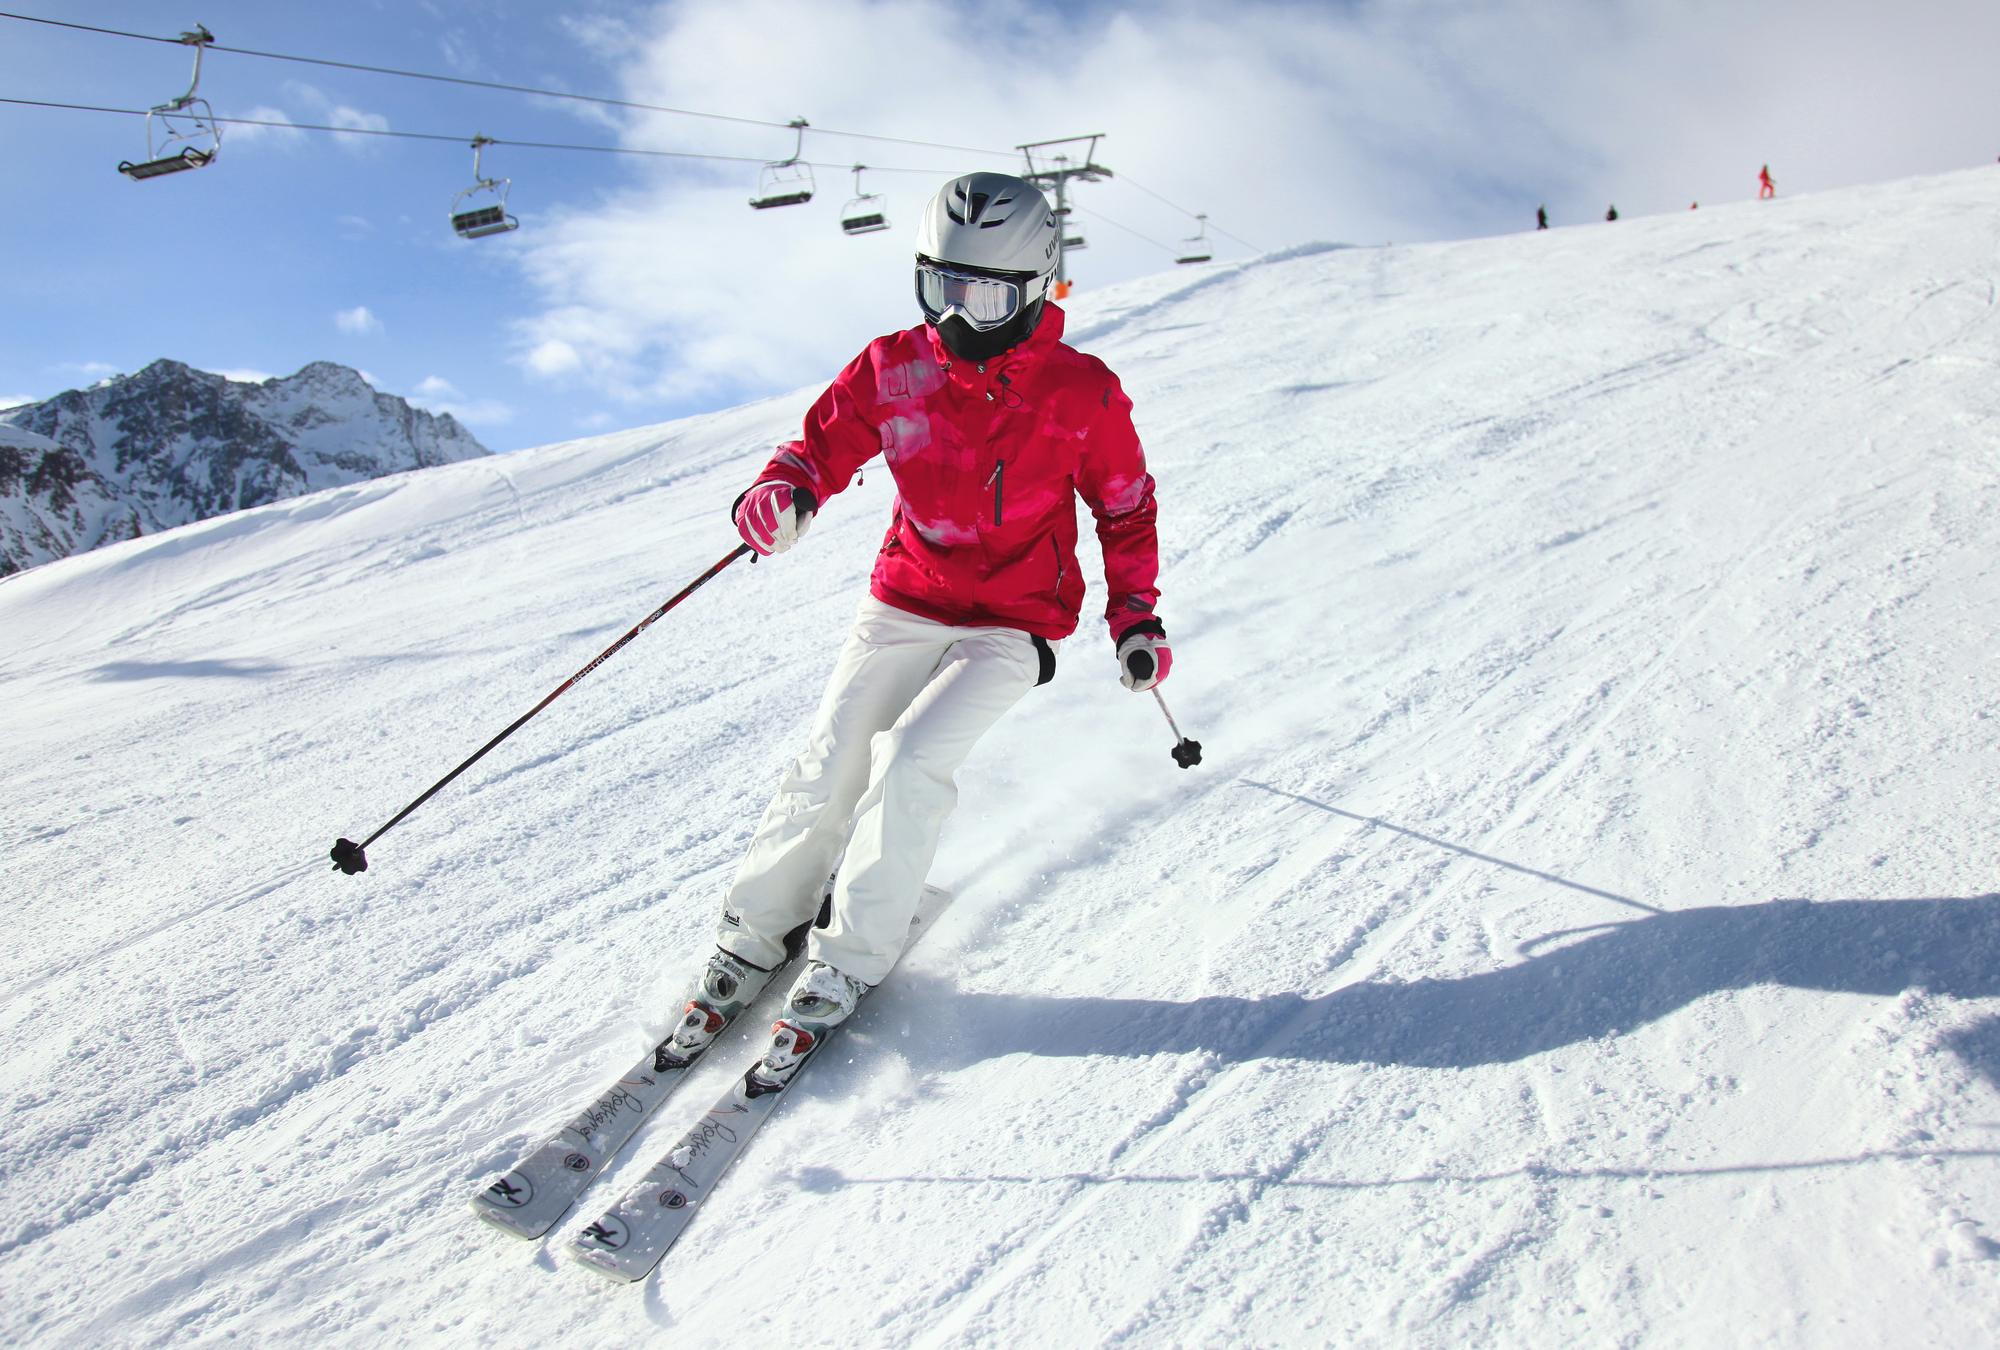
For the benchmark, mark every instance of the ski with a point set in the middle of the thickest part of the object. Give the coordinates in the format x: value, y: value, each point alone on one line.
x: 534, y: 1195
x: 628, y: 1240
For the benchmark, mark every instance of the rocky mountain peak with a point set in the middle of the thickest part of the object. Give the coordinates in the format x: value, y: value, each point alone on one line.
x: 170, y: 444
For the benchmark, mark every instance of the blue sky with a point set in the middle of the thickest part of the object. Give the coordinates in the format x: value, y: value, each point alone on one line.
x: 640, y: 289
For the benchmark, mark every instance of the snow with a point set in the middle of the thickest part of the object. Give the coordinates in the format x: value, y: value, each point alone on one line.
x: 1579, y: 932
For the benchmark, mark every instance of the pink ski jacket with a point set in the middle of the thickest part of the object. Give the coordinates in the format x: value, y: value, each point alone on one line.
x: 986, y: 458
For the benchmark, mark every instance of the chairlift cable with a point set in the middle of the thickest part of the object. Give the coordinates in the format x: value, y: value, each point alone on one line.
x: 510, y: 88
x: 1157, y: 197
x: 1127, y: 228
x: 1227, y: 235
x: 1184, y: 211
x: 74, y: 107
x: 582, y: 98
x: 460, y: 139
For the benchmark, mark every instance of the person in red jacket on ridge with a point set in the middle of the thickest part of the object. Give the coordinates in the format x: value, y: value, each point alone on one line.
x: 991, y: 426
x: 1766, y: 186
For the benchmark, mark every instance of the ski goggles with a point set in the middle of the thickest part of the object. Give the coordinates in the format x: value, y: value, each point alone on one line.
x: 982, y: 300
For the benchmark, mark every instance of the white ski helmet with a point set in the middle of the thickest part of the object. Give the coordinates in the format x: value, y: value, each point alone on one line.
x: 986, y: 248
x: 992, y: 222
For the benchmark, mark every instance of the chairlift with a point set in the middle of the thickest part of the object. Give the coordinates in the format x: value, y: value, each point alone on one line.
x: 863, y: 215
x: 187, y: 122
x: 487, y: 212
x: 786, y: 182
x: 1070, y: 241
x: 1197, y: 249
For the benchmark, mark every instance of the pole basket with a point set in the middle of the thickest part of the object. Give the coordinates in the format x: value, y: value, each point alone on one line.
x: 348, y: 857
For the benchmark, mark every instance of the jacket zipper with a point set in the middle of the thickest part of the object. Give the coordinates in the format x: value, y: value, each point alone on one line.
x: 999, y: 468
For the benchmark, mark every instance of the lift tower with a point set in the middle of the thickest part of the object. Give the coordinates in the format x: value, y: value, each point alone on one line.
x: 1050, y: 169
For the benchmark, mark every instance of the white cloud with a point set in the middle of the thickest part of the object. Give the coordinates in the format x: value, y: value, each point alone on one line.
x: 357, y: 322
x: 485, y: 412
x: 16, y: 400
x: 245, y: 376
x: 553, y: 356
x: 355, y: 120
x: 441, y: 395
x: 1285, y: 120
x: 247, y: 133
x: 325, y: 112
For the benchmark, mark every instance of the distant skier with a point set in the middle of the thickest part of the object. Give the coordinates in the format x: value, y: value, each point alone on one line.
x: 1541, y: 217
x: 1611, y: 213
x: 1767, y: 187
x: 992, y: 427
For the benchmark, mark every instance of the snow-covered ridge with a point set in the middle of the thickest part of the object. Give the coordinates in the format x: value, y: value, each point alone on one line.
x: 1580, y: 932
x: 137, y: 454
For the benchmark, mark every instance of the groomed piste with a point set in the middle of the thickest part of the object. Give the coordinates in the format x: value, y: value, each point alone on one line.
x: 1581, y: 929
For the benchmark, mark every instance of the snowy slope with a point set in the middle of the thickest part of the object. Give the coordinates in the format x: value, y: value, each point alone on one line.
x: 1581, y: 930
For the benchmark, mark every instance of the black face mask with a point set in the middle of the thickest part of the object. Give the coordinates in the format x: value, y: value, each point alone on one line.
x: 967, y: 343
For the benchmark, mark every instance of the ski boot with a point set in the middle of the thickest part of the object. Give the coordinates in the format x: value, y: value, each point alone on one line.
x: 728, y: 986
x: 819, y: 1002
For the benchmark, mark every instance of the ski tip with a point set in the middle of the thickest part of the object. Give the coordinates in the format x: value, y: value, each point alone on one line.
x: 601, y: 1263
x: 504, y: 1221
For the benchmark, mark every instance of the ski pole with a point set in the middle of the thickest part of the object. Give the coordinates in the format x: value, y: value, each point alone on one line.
x: 349, y: 856
x: 1186, y: 753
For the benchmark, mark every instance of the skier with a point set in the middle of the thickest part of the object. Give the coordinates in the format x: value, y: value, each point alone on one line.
x: 1611, y: 213
x: 1767, y: 187
x: 1541, y: 217
x: 989, y: 424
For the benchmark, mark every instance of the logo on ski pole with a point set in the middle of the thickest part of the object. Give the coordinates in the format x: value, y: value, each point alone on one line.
x: 576, y: 1162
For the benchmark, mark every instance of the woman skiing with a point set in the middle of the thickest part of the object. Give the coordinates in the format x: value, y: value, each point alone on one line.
x: 991, y: 427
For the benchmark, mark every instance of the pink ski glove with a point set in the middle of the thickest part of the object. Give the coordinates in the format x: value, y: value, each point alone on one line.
x: 772, y: 517
x: 1144, y: 658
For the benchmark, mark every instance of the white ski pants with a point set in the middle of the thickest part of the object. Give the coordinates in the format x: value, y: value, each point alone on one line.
x: 908, y: 699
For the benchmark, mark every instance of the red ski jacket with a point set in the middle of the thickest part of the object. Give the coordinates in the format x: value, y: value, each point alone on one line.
x: 986, y: 458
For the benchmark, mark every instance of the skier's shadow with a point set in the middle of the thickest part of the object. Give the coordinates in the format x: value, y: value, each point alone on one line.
x: 186, y: 670
x: 1621, y: 977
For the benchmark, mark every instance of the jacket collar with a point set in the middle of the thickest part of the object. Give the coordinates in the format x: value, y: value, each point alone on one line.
x: 1015, y: 361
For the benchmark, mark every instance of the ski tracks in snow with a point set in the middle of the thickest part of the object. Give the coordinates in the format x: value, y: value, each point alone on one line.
x: 1206, y: 1086
x: 235, y: 899
x: 1461, y: 538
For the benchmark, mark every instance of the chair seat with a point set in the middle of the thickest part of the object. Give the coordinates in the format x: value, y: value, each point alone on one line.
x: 485, y: 220
x: 189, y: 158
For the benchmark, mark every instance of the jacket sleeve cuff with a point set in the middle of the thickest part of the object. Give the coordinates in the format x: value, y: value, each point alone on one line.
x: 1123, y: 625
x: 803, y: 500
